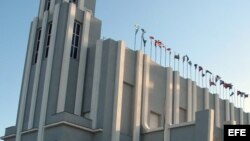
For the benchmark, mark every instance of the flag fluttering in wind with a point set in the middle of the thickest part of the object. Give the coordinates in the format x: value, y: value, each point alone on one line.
x: 222, y: 82
x: 231, y: 94
x: 200, y: 68
x: 209, y: 72
x: 144, y: 41
x: 228, y: 85
x: 246, y: 96
x: 190, y: 63
x: 184, y: 58
x: 195, y: 66
x: 151, y: 42
x: 211, y: 83
x: 177, y: 56
x: 203, y: 75
x: 137, y: 27
x: 217, y: 78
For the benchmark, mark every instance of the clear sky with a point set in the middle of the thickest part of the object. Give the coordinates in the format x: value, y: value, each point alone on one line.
x: 215, y: 34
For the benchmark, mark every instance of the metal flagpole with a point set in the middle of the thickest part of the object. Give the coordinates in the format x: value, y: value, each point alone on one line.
x: 169, y: 58
x: 165, y: 57
x: 155, y: 53
x: 151, y: 48
x: 183, y: 68
x: 160, y: 55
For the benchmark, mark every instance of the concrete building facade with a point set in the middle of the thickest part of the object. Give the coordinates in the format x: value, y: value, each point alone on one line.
x: 77, y: 87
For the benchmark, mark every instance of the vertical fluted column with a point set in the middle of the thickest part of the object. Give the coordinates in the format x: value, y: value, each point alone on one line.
x: 38, y: 70
x: 217, y: 110
x: 138, y: 96
x: 66, y: 59
x: 176, y: 94
x: 241, y: 116
x: 232, y: 117
x: 194, y: 100
x: 48, y: 74
x: 82, y: 63
x: 189, y: 100
x: 96, y: 83
x: 117, y: 107
x: 26, y: 77
x: 227, y: 111
x: 206, y: 98
x: 145, y: 86
x: 168, y: 103
x: 41, y: 8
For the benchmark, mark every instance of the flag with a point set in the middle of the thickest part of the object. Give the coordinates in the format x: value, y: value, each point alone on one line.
x: 184, y: 58
x: 227, y: 85
x: 239, y: 92
x: 151, y: 37
x: 211, y: 83
x: 217, y: 78
x: 137, y: 27
x: 203, y: 74
x: 200, y: 68
x: 221, y: 82
x: 168, y: 49
x: 246, y: 96
x: 195, y: 66
x: 144, y: 42
x: 232, y: 94
x: 158, y: 43
x: 190, y: 63
x: 207, y: 71
x: 177, y: 56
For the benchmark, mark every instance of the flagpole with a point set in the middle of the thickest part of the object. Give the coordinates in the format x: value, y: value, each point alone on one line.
x: 174, y: 61
x: 135, y: 42
x: 187, y: 69
x: 160, y: 55
x: 155, y: 53
x: 169, y: 58
x: 151, y: 48
x: 165, y: 57
x: 183, y: 69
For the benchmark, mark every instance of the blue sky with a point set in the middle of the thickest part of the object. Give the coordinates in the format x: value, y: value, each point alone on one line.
x: 215, y: 34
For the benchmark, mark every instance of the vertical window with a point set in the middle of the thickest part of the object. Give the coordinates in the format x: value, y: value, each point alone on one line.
x: 47, y: 4
x: 49, y: 28
x: 75, y: 40
x: 74, y: 1
x: 37, y: 44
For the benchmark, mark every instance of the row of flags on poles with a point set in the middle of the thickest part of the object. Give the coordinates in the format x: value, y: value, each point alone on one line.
x: 214, y: 80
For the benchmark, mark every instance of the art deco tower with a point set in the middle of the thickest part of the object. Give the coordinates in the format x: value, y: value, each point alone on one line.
x: 54, y: 74
x: 77, y: 87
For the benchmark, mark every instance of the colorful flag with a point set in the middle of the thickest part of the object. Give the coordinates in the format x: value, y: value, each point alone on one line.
x: 228, y: 85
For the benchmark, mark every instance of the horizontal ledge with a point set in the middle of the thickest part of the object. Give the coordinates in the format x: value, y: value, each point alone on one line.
x: 182, y: 124
x: 73, y: 125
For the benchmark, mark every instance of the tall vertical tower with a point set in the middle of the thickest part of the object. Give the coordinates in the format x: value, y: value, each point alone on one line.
x: 54, y: 74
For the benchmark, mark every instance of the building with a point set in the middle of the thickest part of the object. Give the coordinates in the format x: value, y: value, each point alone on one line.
x: 78, y: 87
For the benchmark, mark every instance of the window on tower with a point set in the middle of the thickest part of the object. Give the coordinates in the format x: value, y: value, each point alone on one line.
x: 47, y: 4
x: 37, y: 44
x: 75, y: 40
x: 48, y: 36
